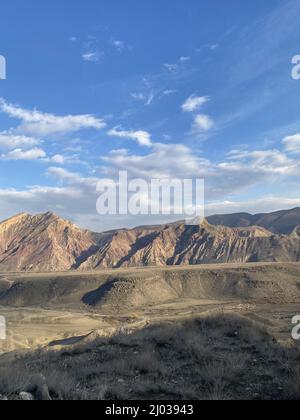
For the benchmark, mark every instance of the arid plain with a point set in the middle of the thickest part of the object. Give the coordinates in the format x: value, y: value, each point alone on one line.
x: 41, y: 309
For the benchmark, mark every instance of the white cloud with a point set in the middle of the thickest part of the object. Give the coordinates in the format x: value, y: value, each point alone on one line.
x: 19, y: 154
x: 147, y: 98
x: 143, y: 138
x: 138, y: 96
x: 92, y: 56
x: 259, y: 205
x: 72, y: 178
x: 37, y: 123
x: 172, y: 68
x: 70, y: 202
x: 64, y: 159
x: 194, y: 102
x: 169, y: 92
x: 184, y: 59
x: 119, y: 45
x: 59, y: 159
x: 164, y: 161
x: 150, y: 99
x: 238, y: 172
x: 92, y: 52
x: 292, y: 144
x: 262, y: 161
x: 13, y: 141
x: 76, y: 195
x: 211, y: 47
x: 77, y: 203
x: 203, y: 123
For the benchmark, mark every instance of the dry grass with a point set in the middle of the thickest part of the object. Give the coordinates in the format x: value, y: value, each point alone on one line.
x: 219, y: 358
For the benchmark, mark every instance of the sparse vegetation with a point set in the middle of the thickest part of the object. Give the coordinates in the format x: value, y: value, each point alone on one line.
x: 218, y: 358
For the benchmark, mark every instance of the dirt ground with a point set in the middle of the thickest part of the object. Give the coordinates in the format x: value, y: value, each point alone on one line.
x: 42, y: 308
x: 57, y: 313
x: 29, y: 328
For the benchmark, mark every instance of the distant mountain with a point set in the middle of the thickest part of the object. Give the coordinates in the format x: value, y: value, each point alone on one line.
x: 48, y: 243
x: 282, y: 222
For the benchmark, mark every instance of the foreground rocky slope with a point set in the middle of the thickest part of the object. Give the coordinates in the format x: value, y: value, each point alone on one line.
x: 220, y: 357
x: 48, y: 243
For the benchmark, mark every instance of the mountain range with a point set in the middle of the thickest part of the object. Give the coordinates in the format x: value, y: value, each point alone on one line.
x: 281, y: 222
x: 48, y: 243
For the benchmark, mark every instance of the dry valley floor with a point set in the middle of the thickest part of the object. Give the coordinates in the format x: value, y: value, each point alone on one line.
x: 114, y: 334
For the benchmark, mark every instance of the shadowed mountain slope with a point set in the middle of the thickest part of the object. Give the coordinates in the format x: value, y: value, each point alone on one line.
x: 283, y: 222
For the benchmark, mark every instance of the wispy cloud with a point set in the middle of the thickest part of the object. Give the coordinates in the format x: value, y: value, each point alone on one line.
x: 178, y: 66
x: 203, y: 123
x: 292, y: 144
x: 19, y: 154
x: 8, y: 140
x: 207, y: 47
x: 194, y: 102
x: 147, y: 98
x: 143, y: 138
x: 92, y: 56
x: 38, y: 123
x: 184, y: 59
x: 92, y: 52
x: 172, y: 68
x: 119, y: 45
x: 258, y: 40
x: 169, y: 92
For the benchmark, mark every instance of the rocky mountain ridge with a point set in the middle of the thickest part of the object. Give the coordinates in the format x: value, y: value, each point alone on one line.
x: 48, y: 243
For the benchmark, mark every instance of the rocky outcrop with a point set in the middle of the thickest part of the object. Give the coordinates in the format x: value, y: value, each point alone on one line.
x: 41, y: 243
x: 38, y: 389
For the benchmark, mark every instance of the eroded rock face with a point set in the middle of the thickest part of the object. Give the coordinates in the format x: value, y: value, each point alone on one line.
x: 48, y: 243
x: 205, y: 244
x: 41, y: 243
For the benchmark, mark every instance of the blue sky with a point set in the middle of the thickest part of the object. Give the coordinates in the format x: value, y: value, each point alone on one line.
x: 172, y: 88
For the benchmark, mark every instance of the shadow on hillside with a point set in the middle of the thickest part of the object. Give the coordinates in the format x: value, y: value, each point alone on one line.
x: 96, y: 296
x: 218, y: 358
x: 84, y: 256
x: 67, y: 341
